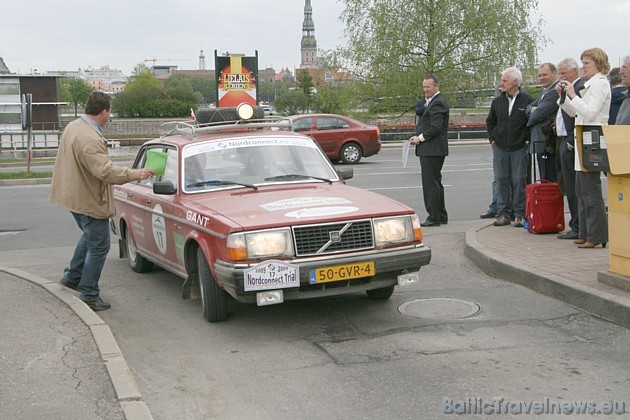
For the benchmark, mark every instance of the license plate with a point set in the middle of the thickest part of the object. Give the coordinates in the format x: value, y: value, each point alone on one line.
x: 272, y: 274
x: 341, y: 272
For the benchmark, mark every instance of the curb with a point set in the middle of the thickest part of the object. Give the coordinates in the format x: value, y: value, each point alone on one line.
x: 599, y: 303
x: 125, y: 386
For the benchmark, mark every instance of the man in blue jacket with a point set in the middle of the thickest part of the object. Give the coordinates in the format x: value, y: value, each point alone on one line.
x: 542, y: 113
x: 508, y: 135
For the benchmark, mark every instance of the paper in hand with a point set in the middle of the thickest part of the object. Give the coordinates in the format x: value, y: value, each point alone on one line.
x: 405, y: 152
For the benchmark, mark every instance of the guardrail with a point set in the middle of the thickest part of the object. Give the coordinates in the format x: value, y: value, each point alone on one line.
x: 453, y: 135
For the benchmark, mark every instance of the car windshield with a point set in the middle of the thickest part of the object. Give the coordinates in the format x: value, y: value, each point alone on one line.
x: 251, y: 162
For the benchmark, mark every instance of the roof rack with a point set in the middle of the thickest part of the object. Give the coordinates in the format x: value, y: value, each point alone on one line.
x: 191, y: 129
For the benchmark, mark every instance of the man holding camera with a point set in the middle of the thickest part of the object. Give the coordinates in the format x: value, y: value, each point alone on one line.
x: 568, y: 70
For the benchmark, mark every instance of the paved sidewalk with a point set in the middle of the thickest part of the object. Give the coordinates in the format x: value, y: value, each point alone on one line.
x: 58, y: 358
x: 551, y: 266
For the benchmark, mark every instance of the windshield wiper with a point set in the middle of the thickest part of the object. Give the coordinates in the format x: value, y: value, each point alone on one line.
x: 298, y: 176
x: 219, y: 182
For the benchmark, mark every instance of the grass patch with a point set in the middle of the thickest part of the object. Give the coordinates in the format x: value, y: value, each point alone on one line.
x: 25, y: 175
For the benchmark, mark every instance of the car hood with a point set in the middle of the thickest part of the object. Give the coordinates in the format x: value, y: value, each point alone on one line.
x: 283, y: 205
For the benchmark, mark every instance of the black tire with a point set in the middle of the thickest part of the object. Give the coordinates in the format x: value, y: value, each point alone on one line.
x: 381, y: 294
x: 213, y: 298
x: 214, y: 115
x: 138, y: 263
x: 351, y: 153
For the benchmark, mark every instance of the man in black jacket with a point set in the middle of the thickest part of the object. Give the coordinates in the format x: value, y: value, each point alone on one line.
x: 508, y: 135
x: 431, y: 142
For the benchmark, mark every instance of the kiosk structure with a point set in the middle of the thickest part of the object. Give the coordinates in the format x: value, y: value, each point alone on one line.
x: 607, y: 148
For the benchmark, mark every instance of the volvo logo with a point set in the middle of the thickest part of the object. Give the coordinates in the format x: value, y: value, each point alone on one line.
x: 335, y: 237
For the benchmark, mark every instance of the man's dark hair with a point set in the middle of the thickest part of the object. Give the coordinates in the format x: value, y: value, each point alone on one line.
x: 98, y: 102
x: 432, y: 77
x: 551, y: 67
x: 614, y: 77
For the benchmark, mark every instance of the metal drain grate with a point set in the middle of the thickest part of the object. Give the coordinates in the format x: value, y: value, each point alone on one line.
x: 439, y: 308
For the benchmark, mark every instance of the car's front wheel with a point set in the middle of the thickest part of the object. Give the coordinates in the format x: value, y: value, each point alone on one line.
x: 351, y: 153
x: 213, y: 298
x: 381, y: 294
x: 138, y: 263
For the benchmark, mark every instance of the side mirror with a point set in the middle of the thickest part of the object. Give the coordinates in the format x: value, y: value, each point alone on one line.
x: 345, y: 173
x: 164, y: 187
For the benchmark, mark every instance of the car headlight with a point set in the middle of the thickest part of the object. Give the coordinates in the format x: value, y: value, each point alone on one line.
x: 392, y: 230
x: 263, y: 244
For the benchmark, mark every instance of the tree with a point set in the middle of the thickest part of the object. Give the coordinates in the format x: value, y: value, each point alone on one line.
x: 334, y: 100
x: 393, y: 44
x: 305, y: 82
x: 75, y: 91
x: 291, y: 102
x: 146, y: 97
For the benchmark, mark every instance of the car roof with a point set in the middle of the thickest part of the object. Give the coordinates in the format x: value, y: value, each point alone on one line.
x: 185, y: 137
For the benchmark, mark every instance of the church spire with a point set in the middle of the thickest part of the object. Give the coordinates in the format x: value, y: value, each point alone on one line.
x: 309, y: 44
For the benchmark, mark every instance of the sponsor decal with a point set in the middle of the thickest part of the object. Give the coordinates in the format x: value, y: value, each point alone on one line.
x: 197, y: 218
x: 320, y: 212
x: 158, y: 225
x: 301, y: 202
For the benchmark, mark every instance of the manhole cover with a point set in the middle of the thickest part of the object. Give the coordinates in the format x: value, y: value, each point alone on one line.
x: 439, y: 308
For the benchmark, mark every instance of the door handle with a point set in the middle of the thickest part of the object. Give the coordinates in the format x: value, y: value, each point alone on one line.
x: 148, y: 201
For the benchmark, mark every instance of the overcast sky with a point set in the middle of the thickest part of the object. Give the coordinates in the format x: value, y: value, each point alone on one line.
x: 46, y: 35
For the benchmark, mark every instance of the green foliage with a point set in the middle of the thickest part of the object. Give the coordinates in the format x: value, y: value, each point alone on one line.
x: 305, y: 83
x: 74, y: 91
x: 291, y: 102
x: 205, y: 88
x: 146, y: 97
x: 335, y: 100
x: 393, y: 44
x: 25, y: 175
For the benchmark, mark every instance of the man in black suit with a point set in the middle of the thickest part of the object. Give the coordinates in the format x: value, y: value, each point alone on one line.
x: 568, y: 70
x: 541, y: 113
x: 431, y: 142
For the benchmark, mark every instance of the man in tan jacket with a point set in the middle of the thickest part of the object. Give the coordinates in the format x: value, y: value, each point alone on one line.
x: 81, y: 183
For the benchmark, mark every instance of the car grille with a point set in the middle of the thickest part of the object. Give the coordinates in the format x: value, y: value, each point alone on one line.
x: 333, y: 237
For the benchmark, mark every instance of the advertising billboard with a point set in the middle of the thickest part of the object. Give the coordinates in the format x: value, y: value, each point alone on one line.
x: 237, y: 78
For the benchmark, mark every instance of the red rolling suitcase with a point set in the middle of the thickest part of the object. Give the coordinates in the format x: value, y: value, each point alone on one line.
x: 544, y: 207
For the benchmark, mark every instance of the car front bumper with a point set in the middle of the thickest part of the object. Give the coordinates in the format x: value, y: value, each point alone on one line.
x: 388, y: 264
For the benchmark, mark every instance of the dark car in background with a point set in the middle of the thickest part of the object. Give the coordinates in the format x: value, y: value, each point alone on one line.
x: 342, y: 138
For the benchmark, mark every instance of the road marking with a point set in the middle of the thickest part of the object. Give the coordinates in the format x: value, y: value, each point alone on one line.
x: 417, y: 172
x: 10, y: 232
x: 400, y: 188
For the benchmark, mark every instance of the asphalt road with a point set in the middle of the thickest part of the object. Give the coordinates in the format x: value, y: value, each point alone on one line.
x: 347, y: 357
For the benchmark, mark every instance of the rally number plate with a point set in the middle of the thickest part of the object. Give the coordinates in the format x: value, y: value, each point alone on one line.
x: 341, y: 272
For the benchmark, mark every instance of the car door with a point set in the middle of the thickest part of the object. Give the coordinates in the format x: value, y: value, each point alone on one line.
x: 163, y: 243
x: 329, y: 133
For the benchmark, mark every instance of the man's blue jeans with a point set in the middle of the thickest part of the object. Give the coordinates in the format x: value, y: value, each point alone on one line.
x: 89, y: 256
x: 510, y: 173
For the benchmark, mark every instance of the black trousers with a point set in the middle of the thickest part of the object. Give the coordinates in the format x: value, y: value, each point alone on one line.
x: 432, y: 188
x: 567, y: 162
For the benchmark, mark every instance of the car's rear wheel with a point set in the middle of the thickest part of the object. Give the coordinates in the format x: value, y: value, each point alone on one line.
x: 381, y: 294
x: 351, y: 153
x: 138, y: 263
x: 213, y: 298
